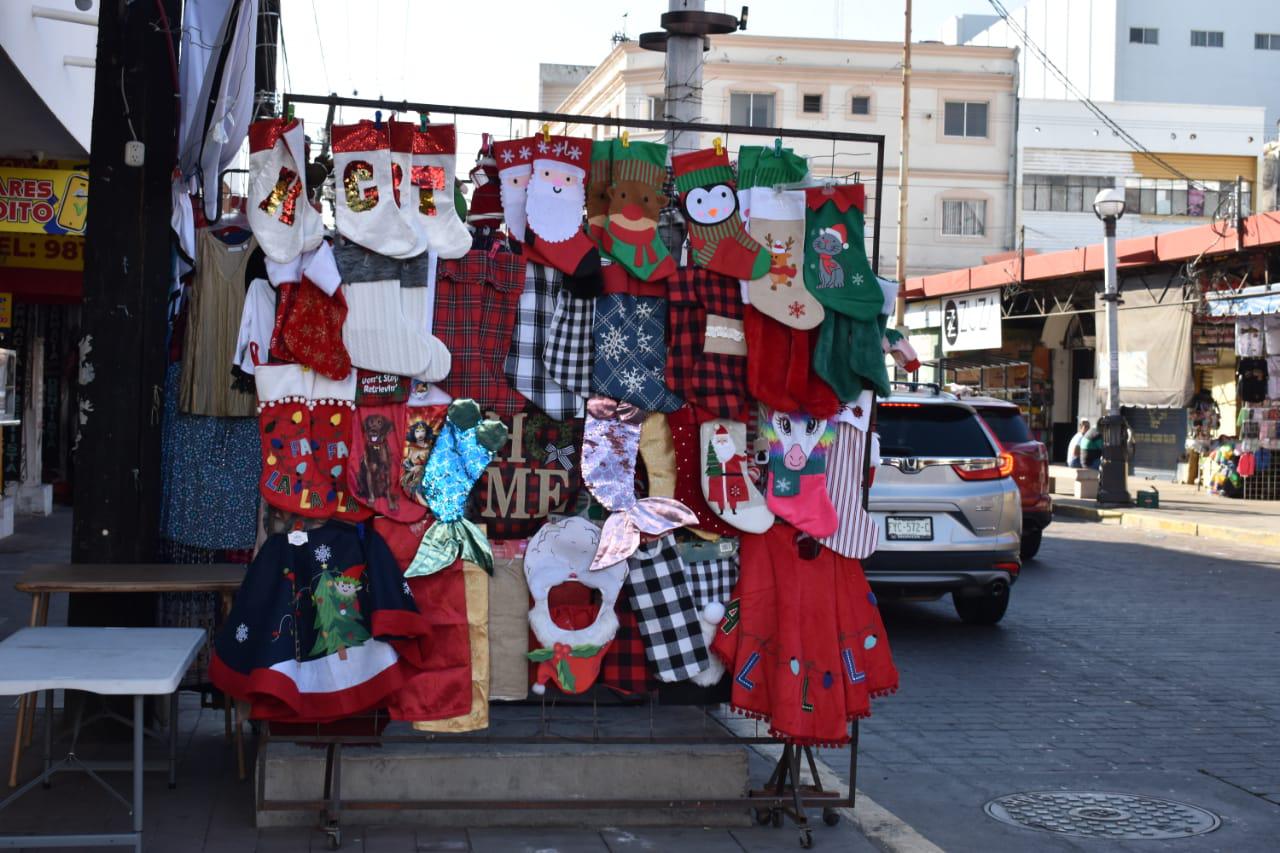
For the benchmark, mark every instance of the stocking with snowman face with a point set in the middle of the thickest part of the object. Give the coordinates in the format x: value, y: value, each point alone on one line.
x: 797, y: 491
x: 555, y: 203
x: 709, y: 202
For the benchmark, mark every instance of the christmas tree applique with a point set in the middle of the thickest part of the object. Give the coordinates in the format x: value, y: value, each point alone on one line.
x: 337, y: 607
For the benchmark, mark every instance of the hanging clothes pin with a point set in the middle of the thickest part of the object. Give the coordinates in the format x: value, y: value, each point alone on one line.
x: 546, y: 133
x: 777, y: 146
x: 718, y: 144
x: 423, y: 122
x: 626, y: 139
x: 377, y: 119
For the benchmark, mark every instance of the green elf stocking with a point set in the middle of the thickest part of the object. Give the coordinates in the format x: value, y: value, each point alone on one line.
x: 709, y: 201
x: 635, y: 200
x: 836, y: 270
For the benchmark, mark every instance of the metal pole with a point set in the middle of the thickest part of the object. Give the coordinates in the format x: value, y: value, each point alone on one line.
x: 1112, y: 296
x: 900, y: 310
x: 1112, y: 485
x: 683, y: 82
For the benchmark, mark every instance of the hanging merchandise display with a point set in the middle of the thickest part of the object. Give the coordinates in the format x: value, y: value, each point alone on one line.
x: 310, y: 313
x: 729, y: 476
x: 599, y: 179
x: 535, y: 475
x: 570, y: 351
x: 855, y: 535
x: 709, y: 201
x: 525, y: 367
x: 780, y: 366
x: 424, y: 191
x: 662, y: 600
x: 279, y: 210
x: 381, y: 337
x: 836, y: 270
x: 377, y: 462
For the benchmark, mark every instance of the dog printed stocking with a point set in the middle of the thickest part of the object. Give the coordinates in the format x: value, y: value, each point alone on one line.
x: 374, y: 469
x: 797, y: 492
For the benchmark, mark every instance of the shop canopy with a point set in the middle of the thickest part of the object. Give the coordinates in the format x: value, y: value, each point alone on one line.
x: 1259, y: 299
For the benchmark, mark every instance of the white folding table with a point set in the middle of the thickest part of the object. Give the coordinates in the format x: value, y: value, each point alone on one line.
x: 133, y: 662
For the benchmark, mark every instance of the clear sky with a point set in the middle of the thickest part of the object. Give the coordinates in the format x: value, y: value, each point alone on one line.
x: 487, y: 53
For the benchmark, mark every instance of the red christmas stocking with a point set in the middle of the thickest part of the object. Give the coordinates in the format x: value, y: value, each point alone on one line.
x: 709, y: 201
x: 374, y: 470
x: 515, y: 158
x: 797, y: 492
x: 424, y: 426
x: 556, y: 198
x: 289, y: 474
x: 333, y: 412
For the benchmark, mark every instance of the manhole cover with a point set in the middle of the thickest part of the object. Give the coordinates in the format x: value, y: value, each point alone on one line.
x: 1094, y: 814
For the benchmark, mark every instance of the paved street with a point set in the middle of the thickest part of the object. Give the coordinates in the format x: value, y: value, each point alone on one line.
x: 1130, y: 661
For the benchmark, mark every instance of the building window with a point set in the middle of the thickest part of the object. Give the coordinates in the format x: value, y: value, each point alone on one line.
x: 812, y: 104
x: 1144, y: 35
x: 657, y: 108
x: 860, y: 105
x: 1066, y: 193
x: 965, y: 118
x: 1168, y: 197
x: 751, y: 108
x: 964, y: 218
x: 1266, y: 41
x: 1206, y: 38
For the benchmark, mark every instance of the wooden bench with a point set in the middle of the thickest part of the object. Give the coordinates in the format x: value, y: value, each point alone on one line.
x: 43, y: 580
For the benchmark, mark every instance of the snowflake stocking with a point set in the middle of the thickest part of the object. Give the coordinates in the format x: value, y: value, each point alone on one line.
x: 777, y: 220
x: 556, y: 197
x: 836, y: 270
x: 797, y: 492
x: 630, y: 333
x: 365, y: 206
x: 710, y: 205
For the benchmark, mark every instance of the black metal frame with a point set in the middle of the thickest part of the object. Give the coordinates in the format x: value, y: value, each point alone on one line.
x: 618, y: 123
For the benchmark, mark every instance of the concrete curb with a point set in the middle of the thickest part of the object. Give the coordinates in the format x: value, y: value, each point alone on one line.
x: 1153, y: 521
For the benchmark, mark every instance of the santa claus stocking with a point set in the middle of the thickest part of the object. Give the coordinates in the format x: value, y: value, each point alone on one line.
x: 280, y: 212
x: 635, y: 200
x: 380, y: 337
x: 333, y: 411
x: 686, y: 442
x: 373, y: 473
x: 777, y: 220
x: 836, y: 270
x: 797, y: 491
x: 729, y: 475
x: 365, y: 206
x: 428, y: 197
x: 709, y: 202
x: 290, y: 477
x: 515, y: 165
x: 557, y: 196
x: 464, y: 449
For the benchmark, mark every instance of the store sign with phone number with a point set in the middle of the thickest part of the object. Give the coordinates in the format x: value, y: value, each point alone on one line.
x: 43, y: 201
x: 27, y: 251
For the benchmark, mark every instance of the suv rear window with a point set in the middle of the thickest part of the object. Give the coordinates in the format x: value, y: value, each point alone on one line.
x: 914, y: 429
x: 1007, y: 423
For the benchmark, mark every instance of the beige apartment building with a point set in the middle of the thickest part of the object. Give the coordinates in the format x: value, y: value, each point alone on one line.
x: 963, y: 124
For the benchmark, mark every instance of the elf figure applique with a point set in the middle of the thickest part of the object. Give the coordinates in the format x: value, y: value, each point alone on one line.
x: 338, y: 620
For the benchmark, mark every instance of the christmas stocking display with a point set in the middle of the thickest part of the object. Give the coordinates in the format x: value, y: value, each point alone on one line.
x: 706, y: 343
x: 536, y: 474
x: 280, y: 214
x: 374, y: 470
x: 428, y: 198
x: 855, y: 534
x: 836, y: 270
x: 515, y: 166
x: 635, y: 200
x: 424, y: 426
x: 659, y: 456
x: 660, y: 597
x: 630, y: 334
x: 290, y: 478
x: 797, y: 491
x: 558, y: 553
x: 570, y: 351
x: 380, y: 337
x: 556, y: 198
x: 333, y: 419
x: 777, y: 221
x: 484, y: 216
x: 365, y: 206
x: 610, y: 441
x: 525, y: 367
x: 465, y: 447
x: 709, y: 201
x: 729, y: 476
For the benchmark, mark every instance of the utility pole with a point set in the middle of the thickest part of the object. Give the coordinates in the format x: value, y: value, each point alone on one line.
x: 264, y: 63
x: 126, y: 285
x: 682, y: 92
x: 900, y: 312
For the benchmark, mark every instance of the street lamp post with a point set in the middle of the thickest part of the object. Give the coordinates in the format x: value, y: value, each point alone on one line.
x: 1112, y: 486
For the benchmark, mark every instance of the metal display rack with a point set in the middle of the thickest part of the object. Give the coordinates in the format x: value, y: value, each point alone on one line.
x: 785, y: 794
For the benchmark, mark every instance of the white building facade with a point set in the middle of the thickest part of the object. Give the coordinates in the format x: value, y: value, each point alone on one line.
x: 1164, y: 51
x: 962, y: 206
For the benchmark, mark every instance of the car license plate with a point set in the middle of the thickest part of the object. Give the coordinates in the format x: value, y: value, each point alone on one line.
x: 912, y: 528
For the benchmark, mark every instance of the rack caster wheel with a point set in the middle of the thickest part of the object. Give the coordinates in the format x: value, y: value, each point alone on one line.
x: 830, y: 817
x: 775, y: 818
x: 806, y: 838
x: 762, y: 817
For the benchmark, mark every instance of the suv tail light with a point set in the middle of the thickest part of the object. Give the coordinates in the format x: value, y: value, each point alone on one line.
x: 994, y: 468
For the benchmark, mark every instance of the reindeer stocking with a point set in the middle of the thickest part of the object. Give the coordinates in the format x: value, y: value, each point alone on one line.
x: 777, y: 221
